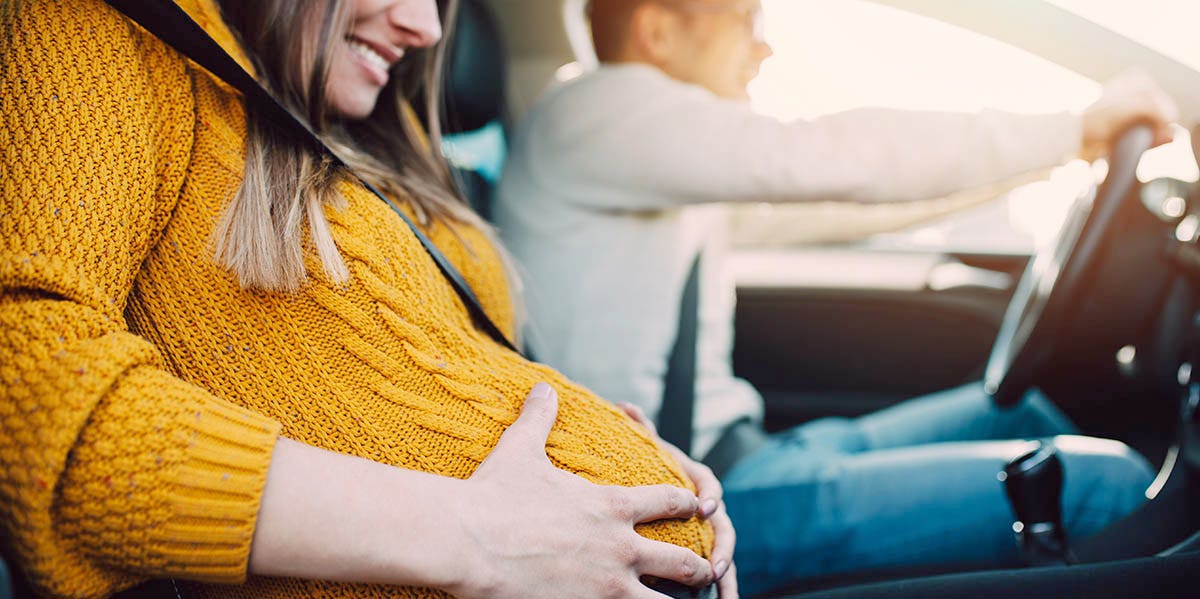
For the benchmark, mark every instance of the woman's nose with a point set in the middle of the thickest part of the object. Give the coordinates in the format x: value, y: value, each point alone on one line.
x: 418, y: 20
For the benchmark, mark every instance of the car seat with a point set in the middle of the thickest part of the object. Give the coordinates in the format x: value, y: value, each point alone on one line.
x: 474, y: 104
x: 6, y: 590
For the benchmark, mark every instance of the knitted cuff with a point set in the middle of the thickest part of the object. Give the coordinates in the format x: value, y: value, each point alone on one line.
x: 216, y: 495
x: 166, y: 480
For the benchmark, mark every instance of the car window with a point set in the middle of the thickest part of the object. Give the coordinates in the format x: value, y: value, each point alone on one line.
x: 1166, y: 26
x: 835, y: 55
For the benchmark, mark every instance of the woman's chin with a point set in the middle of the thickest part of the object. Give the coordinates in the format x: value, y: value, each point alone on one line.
x: 353, y: 104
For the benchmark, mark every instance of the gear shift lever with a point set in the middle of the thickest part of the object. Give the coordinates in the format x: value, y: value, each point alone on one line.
x: 1034, y: 484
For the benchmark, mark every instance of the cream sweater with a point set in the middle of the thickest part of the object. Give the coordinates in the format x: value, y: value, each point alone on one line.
x: 612, y: 187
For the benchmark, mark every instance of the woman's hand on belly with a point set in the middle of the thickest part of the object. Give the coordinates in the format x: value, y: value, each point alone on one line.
x: 710, y: 492
x: 532, y: 530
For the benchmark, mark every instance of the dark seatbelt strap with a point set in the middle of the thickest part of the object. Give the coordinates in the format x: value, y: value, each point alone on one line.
x: 171, y: 24
x: 675, y: 417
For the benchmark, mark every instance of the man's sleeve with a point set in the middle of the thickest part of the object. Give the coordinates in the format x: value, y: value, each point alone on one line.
x: 667, y: 143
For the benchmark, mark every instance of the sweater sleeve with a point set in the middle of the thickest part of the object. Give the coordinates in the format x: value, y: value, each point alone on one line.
x: 643, y: 141
x: 111, y: 468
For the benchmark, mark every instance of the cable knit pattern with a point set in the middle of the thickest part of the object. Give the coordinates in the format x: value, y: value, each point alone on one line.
x: 143, y: 390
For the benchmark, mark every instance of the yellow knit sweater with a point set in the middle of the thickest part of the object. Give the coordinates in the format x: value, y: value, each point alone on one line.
x: 143, y: 390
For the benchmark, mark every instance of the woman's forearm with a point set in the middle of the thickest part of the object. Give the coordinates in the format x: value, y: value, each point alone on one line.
x: 330, y: 516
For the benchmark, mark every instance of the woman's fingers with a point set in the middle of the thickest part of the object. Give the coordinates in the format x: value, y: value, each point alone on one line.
x: 543, y: 532
x: 708, y: 488
x: 638, y: 415
x: 712, y: 508
x: 727, y: 585
x: 655, y: 502
x: 672, y: 562
x: 710, y: 494
x: 724, y: 539
x: 527, y: 435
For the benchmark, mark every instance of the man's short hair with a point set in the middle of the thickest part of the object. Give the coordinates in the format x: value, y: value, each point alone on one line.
x: 610, y: 26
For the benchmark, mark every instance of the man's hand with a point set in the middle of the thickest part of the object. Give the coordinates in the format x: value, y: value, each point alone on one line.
x: 536, y: 531
x: 1126, y: 99
x: 709, y: 490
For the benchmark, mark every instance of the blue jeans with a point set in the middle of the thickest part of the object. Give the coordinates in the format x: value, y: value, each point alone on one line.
x: 910, y: 485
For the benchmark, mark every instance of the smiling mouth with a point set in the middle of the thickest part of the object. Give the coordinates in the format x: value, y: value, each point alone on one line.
x: 369, y: 54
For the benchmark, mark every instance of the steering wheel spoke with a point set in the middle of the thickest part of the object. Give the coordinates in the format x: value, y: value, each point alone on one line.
x: 1058, y: 277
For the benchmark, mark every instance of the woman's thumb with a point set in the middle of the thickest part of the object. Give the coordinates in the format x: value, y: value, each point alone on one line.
x: 529, y: 432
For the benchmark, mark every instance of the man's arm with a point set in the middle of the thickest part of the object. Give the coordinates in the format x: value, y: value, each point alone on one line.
x: 658, y: 142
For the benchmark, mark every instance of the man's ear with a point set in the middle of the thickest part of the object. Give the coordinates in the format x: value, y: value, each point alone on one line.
x: 654, y: 32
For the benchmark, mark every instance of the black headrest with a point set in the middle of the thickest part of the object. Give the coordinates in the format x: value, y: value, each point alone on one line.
x: 476, y: 63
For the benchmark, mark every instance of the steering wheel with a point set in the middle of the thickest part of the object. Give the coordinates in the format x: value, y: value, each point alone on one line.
x: 1062, y: 275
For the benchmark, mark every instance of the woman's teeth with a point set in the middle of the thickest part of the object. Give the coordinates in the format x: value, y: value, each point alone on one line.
x: 370, y: 55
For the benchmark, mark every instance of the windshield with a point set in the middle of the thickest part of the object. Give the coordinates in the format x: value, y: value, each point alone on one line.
x: 1166, y: 26
x: 835, y: 55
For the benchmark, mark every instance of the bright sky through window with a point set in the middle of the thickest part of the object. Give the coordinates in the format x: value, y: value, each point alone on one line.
x: 1167, y: 26
x: 833, y: 55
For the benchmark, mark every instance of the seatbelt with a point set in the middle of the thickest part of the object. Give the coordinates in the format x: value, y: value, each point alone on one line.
x: 675, y: 417
x: 171, y: 24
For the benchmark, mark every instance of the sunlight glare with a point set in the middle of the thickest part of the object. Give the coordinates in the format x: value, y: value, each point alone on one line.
x: 834, y: 55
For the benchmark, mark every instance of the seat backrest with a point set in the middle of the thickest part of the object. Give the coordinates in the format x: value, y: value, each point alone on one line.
x: 477, y: 65
x: 473, y: 118
x: 6, y: 589
x: 476, y: 145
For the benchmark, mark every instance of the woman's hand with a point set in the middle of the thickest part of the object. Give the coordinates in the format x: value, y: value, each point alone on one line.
x: 532, y: 530
x: 519, y: 527
x: 711, y: 507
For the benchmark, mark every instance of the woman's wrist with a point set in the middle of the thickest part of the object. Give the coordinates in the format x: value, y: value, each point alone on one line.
x: 459, y: 561
x: 335, y: 517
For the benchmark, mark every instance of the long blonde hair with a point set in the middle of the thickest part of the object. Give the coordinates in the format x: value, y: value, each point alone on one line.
x: 260, y: 239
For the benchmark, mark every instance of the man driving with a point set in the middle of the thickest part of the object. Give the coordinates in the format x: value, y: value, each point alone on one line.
x: 613, y: 192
